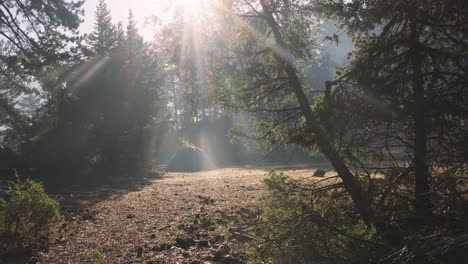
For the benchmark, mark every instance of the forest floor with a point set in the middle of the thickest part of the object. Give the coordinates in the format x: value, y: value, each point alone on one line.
x: 179, y: 218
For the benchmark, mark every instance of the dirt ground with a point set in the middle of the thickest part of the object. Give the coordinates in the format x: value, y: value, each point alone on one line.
x: 180, y: 218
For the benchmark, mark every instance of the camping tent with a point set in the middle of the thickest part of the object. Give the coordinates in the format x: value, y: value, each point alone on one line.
x: 189, y: 159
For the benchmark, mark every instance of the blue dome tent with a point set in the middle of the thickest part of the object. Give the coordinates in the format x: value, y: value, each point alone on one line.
x: 189, y: 159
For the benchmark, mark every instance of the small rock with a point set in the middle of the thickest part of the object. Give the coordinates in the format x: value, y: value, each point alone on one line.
x: 130, y: 216
x: 207, y: 257
x: 218, y: 256
x: 184, y: 243
x: 88, y: 217
x: 219, y: 238
x: 319, y: 173
x: 61, y: 241
x: 203, y: 243
x: 224, y: 249
x: 228, y: 259
x: 165, y: 246
x: 139, y: 252
x: 162, y: 228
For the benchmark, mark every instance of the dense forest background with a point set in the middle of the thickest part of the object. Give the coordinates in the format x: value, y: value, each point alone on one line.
x: 76, y: 104
x: 240, y: 77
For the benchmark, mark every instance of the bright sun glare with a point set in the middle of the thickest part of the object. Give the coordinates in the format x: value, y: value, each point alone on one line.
x: 191, y: 7
x: 193, y: 4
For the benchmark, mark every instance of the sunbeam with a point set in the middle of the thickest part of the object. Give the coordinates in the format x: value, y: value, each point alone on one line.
x: 86, y: 71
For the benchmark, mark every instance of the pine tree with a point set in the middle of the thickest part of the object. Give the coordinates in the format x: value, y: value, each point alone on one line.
x: 267, y: 78
x: 105, y: 36
x: 408, y: 81
x: 120, y: 35
x: 134, y: 39
x: 144, y: 107
x: 35, y: 38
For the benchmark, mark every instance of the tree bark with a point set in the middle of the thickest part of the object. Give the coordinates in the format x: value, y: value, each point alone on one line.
x: 422, y: 203
x: 352, y: 185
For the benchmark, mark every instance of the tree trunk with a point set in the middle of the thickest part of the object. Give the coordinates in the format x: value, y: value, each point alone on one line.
x: 352, y: 185
x: 422, y: 189
x: 175, y: 99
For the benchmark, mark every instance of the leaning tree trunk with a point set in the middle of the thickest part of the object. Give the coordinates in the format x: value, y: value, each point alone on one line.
x: 352, y: 185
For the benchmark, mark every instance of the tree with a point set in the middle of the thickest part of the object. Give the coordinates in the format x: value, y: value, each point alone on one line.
x: 397, y: 116
x: 393, y: 124
x: 112, y: 113
x: 134, y: 39
x: 186, y: 43
x: 411, y: 60
x: 146, y: 102
x: 104, y: 36
x: 36, y: 38
x: 278, y: 40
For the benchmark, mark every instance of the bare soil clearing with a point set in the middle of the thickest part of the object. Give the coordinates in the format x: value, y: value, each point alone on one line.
x: 181, y: 218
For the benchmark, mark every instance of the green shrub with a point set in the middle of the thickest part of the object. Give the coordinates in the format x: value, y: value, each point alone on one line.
x: 303, y: 222
x: 96, y: 257
x: 28, y: 215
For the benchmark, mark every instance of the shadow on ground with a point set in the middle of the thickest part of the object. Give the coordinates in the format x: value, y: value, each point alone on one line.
x: 281, y: 167
x: 75, y: 194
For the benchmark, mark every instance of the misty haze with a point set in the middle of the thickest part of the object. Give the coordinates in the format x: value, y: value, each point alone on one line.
x: 234, y: 131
